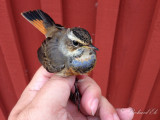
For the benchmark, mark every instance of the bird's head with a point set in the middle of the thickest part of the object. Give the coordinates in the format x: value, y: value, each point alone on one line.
x: 78, y: 39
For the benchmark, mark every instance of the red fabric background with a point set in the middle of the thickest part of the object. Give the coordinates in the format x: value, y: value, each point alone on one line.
x: 127, y: 32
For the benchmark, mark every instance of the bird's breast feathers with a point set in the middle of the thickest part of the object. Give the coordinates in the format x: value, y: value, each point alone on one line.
x: 83, y: 64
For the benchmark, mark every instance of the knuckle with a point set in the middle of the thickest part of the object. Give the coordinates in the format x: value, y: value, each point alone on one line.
x: 97, y: 90
x: 25, y: 115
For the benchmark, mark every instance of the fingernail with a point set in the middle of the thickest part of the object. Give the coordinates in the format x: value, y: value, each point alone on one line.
x: 115, y: 116
x: 93, y: 106
x: 128, y: 110
x: 81, y: 80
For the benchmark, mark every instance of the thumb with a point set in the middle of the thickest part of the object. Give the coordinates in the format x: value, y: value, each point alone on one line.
x: 54, y: 94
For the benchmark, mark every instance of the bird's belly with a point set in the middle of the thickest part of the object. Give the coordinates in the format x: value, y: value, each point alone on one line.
x: 84, y: 64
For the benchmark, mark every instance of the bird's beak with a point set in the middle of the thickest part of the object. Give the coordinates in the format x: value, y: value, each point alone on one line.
x: 93, y: 47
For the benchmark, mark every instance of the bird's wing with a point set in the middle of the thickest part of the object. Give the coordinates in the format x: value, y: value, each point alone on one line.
x: 50, y: 56
x: 41, y: 20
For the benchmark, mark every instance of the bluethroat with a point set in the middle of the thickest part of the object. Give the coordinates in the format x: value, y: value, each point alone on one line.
x: 65, y: 51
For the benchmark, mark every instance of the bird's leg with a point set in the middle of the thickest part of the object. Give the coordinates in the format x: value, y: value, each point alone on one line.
x: 76, y: 96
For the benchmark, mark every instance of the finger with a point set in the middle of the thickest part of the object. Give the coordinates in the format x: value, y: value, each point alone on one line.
x: 91, y: 94
x: 54, y: 95
x: 125, y: 113
x: 38, y: 80
x: 106, y: 110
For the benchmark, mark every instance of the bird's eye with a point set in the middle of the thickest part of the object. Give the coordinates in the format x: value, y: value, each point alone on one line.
x: 75, y: 43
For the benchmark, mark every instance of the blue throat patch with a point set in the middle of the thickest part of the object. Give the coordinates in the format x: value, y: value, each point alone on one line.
x: 85, y: 64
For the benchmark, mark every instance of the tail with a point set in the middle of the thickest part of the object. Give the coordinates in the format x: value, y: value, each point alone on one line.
x: 40, y: 20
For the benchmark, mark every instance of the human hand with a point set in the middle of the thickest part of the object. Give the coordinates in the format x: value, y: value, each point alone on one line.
x: 47, y: 98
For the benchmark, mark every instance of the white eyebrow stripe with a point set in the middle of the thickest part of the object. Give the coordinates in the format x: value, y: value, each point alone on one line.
x: 73, y: 37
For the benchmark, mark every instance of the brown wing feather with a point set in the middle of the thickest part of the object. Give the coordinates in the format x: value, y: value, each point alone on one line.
x: 50, y: 57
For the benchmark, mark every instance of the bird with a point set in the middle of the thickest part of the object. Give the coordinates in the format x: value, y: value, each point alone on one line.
x: 65, y: 51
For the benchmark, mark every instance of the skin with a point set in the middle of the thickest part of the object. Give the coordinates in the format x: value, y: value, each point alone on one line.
x: 47, y: 98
